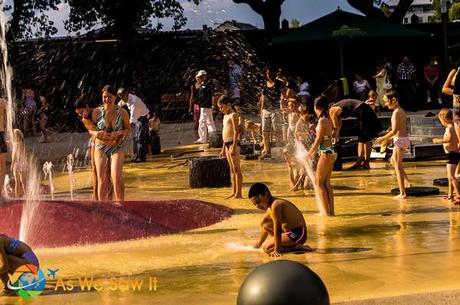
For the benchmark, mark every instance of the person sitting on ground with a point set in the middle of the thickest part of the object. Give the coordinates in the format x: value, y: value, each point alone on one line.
x: 14, y: 254
x: 400, y: 139
x: 231, y: 146
x: 450, y: 143
x: 19, y: 163
x: 283, y: 222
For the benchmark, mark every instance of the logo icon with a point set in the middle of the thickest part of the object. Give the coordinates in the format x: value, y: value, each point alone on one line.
x: 28, y: 281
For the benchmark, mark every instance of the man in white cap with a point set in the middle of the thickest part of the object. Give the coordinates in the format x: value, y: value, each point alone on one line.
x: 205, y: 94
x: 139, y: 119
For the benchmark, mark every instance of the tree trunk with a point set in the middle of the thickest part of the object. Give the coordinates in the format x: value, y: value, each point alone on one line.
x: 270, y: 10
x: 15, y: 30
x: 271, y: 17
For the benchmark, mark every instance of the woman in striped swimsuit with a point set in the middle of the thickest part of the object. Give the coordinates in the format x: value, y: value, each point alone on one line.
x: 113, y: 127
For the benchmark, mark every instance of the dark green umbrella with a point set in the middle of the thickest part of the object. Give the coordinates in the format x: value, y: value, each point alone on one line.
x: 341, y: 25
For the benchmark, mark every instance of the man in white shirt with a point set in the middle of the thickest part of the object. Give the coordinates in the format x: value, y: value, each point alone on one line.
x: 205, y: 95
x: 139, y: 119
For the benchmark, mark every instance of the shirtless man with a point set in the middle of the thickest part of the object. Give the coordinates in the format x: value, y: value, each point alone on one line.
x: 283, y: 221
x: 3, y: 147
x: 231, y: 146
x: 400, y: 139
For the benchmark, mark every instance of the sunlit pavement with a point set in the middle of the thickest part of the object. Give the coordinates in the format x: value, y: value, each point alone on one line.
x: 375, y: 247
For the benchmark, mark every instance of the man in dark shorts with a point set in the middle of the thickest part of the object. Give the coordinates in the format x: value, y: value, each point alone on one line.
x: 368, y: 126
x: 3, y: 147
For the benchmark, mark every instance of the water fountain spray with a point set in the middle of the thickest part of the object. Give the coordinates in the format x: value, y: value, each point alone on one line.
x: 70, y: 162
x: 303, y: 157
x: 48, y: 171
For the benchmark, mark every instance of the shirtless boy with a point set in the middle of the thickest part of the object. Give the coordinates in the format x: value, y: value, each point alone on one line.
x: 231, y: 146
x: 282, y: 221
x: 450, y: 143
x: 400, y: 139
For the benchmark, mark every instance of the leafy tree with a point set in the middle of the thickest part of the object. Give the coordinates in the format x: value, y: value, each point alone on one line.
x: 295, y: 23
x: 29, y: 18
x: 123, y: 16
x: 453, y: 10
x: 375, y: 9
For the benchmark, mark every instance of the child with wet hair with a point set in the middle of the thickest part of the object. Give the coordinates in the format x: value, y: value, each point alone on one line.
x: 293, y: 117
x: 450, y: 143
x: 19, y: 160
x: 305, y: 134
x: 253, y: 129
x: 283, y: 228
x: 295, y: 169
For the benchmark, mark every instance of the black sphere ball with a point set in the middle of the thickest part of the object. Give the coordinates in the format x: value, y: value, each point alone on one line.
x: 282, y: 282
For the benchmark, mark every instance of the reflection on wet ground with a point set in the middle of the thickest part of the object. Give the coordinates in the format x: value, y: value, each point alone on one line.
x: 374, y: 248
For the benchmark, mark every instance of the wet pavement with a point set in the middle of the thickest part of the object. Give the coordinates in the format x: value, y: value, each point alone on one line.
x: 375, y: 248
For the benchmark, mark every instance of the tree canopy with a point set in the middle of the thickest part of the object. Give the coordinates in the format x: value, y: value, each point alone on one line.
x: 29, y: 18
x: 123, y: 16
x: 453, y: 10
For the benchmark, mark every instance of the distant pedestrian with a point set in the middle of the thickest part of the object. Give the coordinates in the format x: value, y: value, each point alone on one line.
x: 139, y: 119
x: 205, y: 97
x: 407, y: 84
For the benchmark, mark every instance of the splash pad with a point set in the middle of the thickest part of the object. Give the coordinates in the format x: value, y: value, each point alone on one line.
x: 67, y: 223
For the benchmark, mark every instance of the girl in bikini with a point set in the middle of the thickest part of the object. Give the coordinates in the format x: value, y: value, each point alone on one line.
x: 112, y: 124
x: 323, y: 146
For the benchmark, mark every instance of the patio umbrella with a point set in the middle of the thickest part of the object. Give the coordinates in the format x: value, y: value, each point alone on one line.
x: 341, y: 25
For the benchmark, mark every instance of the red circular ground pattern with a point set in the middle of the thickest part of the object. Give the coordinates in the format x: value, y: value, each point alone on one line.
x: 65, y: 223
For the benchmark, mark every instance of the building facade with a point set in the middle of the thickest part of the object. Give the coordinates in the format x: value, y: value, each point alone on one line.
x: 421, y: 11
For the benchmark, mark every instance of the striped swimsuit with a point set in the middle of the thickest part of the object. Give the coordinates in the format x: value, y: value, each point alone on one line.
x: 109, y: 150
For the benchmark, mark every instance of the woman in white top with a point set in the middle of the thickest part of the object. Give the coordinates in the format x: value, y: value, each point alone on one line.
x: 361, y: 87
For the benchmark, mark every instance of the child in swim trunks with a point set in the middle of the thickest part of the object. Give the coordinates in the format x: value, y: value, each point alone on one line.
x: 231, y: 146
x: 450, y: 143
x: 283, y: 222
x: 400, y: 139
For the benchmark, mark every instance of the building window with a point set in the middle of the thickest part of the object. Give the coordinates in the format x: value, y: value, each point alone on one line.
x: 406, y: 20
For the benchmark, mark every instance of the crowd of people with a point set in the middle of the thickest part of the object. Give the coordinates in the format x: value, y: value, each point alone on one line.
x: 307, y: 128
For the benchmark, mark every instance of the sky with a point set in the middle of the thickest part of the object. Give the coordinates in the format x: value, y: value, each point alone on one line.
x: 212, y: 12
